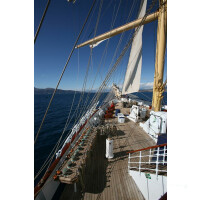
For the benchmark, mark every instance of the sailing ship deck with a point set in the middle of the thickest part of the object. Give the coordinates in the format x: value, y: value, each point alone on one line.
x: 109, y: 179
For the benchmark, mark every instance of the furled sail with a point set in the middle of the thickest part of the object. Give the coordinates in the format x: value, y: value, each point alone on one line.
x: 97, y: 43
x: 133, y: 72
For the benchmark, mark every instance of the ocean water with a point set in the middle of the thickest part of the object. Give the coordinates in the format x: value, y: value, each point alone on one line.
x: 56, y: 119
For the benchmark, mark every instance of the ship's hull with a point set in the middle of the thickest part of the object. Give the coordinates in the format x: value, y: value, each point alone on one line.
x: 48, y: 189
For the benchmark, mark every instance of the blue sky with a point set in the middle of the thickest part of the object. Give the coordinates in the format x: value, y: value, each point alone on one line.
x: 59, y: 31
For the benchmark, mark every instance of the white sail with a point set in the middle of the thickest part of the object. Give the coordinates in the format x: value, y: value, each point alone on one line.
x: 133, y: 72
x: 97, y: 43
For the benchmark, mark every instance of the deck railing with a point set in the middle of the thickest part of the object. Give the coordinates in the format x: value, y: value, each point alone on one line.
x: 151, y: 159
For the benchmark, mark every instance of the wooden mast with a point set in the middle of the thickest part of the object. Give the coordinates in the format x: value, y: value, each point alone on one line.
x: 158, y: 87
x: 161, y: 15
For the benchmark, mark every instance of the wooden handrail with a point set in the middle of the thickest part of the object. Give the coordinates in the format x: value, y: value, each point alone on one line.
x: 152, y: 147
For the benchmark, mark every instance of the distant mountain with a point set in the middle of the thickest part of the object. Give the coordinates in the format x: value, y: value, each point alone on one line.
x: 50, y: 91
x: 145, y: 90
x: 60, y: 91
x: 150, y: 89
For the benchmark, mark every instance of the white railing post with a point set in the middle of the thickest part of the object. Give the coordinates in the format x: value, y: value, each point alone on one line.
x: 152, y: 153
x: 164, y: 155
x: 149, y: 156
x: 140, y: 160
x: 157, y: 160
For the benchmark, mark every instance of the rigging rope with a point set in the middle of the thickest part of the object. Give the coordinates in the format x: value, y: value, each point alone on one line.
x: 106, y: 80
x: 83, y: 108
x: 119, y: 43
x: 41, y: 21
x: 121, y: 38
x: 104, y: 84
x: 91, y: 50
x: 66, y: 125
x: 67, y: 121
x: 86, y: 29
x: 86, y: 76
x: 121, y: 55
x: 64, y: 70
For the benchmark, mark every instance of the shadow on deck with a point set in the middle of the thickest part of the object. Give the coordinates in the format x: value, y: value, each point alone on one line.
x: 95, y: 177
x: 95, y: 173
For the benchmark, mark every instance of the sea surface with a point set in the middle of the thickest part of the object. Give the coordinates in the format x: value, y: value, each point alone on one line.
x: 56, y: 118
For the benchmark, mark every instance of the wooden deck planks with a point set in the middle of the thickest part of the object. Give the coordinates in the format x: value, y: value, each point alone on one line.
x: 109, y: 180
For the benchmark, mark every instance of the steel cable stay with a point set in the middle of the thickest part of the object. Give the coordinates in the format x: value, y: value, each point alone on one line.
x: 58, y: 142
x: 102, y: 56
x: 67, y: 136
x: 84, y: 85
x: 122, y: 35
x: 83, y: 88
x: 91, y: 88
x: 88, y: 24
x: 67, y: 122
x: 97, y: 23
x: 115, y: 52
x: 56, y: 146
x: 104, y: 86
x: 77, y: 118
x: 45, y: 163
x: 76, y: 110
x: 74, y: 123
x: 113, y: 68
x: 66, y: 125
x: 122, y: 78
x: 130, y: 13
x: 145, y: 96
x: 143, y: 93
x: 41, y: 21
x: 105, y: 49
x: 148, y: 97
x: 123, y: 52
x: 148, y: 11
x: 64, y: 70
x: 115, y: 74
x: 127, y: 41
x: 109, y: 74
x: 90, y: 58
x: 112, y: 24
x: 98, y: 69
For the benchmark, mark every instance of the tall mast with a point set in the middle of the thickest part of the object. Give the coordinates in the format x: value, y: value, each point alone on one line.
x: 161, y: 15
x: 158, y: 87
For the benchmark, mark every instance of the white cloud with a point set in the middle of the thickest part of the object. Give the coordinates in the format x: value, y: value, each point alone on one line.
x: 146, y: 85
